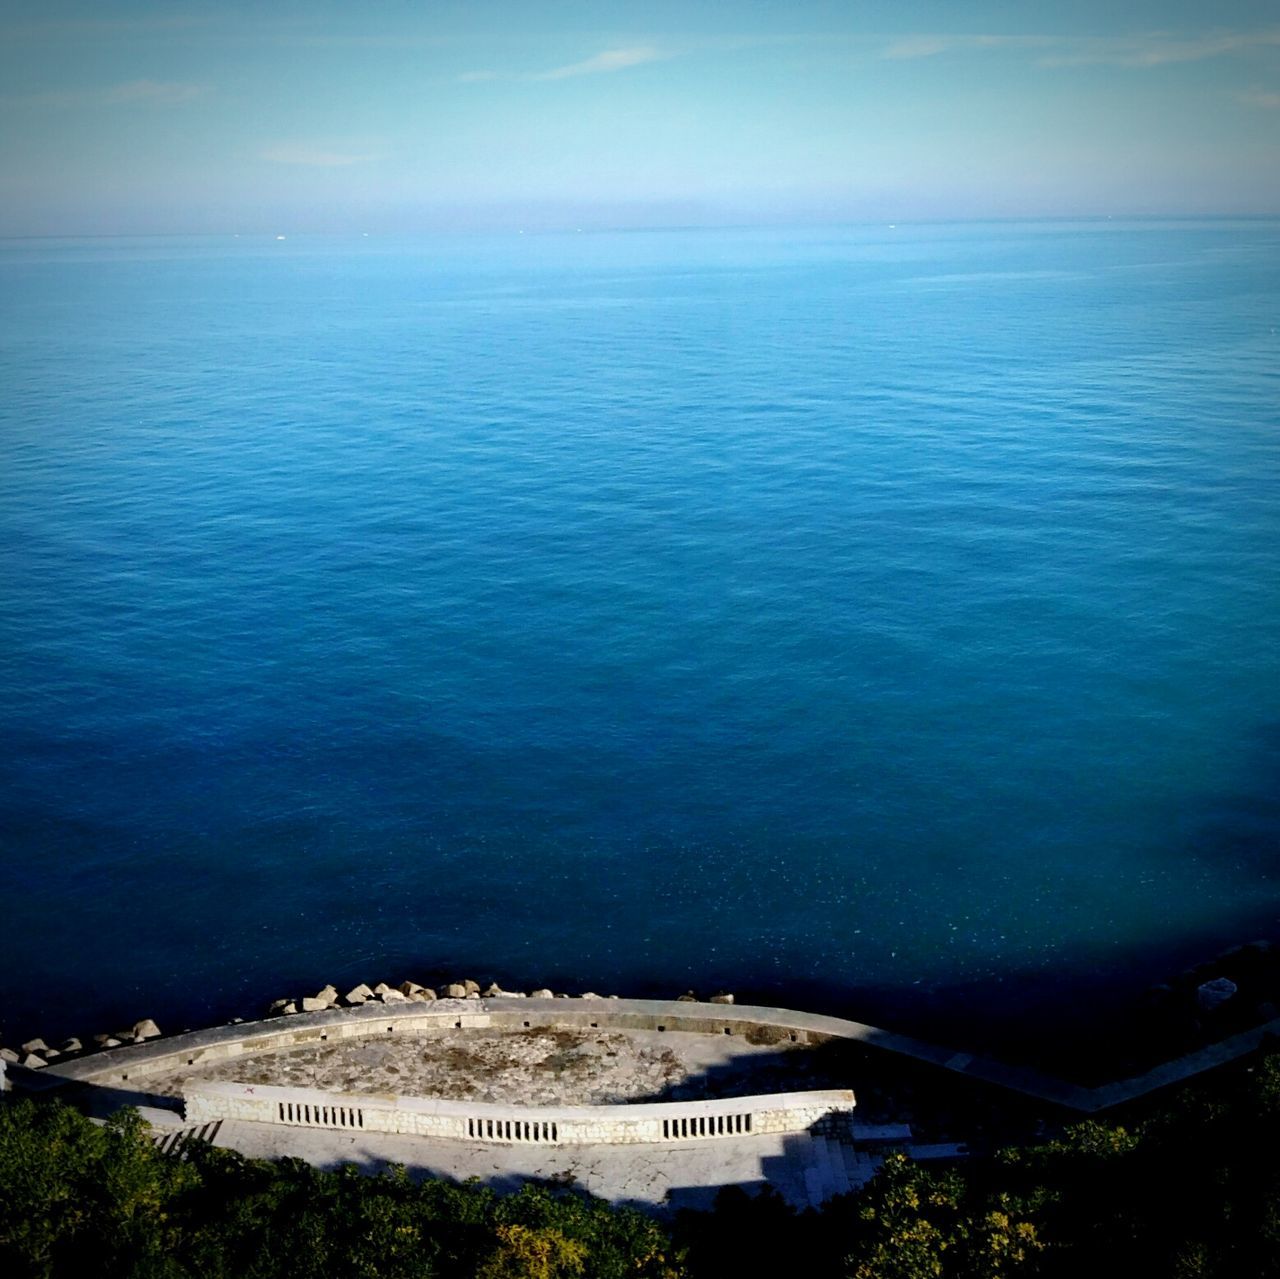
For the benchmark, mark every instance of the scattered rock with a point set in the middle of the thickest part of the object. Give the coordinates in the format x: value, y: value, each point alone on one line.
x: 106, y: 1041
x: 473, y: 987
x: 34, y: 1046
x: 722, y: 998
x: 277, y: 1006
x: 146, y: 1029
x: 328, y: 996
x: 124, y: 1036
x: 496, y: 992
x: 7, y: 1054
x: 390, y: 996
x: 50, y: 1053
x: 590, y: 994
x: 33, y: 1061
x: 235, y: 1021
x: 357, y: 995
x: 687, y: 998
x: 455, y: 990
x: 1215, y: 993
x: 542, y: 993
x: 381, y: 988
x: 473, y: 994
x: 409, y: 988
x: 310, y: 1005
x: 289, y: 1009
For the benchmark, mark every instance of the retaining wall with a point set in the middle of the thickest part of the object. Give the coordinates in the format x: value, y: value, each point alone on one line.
x: 519, y: 1125
x: 129, y: 1067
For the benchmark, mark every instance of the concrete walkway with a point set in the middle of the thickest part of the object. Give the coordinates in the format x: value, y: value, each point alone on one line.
x: 805, y: 1169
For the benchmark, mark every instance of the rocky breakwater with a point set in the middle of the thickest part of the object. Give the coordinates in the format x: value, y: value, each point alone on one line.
x: 413, y: 992
x: 36, y: 1053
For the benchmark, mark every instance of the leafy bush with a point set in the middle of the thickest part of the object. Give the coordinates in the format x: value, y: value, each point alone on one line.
x: 1186, y: 1190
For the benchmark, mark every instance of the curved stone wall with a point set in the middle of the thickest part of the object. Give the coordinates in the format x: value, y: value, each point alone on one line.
x: 132, y: 1065
x: 652, y: 1123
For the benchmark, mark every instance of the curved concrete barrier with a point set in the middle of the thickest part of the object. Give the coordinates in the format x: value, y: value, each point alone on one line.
x: 133, y: 1064
x: 653, y: 1122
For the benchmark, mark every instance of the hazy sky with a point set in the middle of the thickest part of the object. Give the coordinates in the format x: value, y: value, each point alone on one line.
x: 141, y: 116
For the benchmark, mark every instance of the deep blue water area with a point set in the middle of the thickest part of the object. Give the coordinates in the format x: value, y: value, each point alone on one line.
x: 884, y: 619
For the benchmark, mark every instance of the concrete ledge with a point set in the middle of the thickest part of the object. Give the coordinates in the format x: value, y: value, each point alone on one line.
x: 133, y: 1064
x: 540, y: 1125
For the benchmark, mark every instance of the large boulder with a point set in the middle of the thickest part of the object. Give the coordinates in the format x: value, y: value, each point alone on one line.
x: 34, y: 1046
x: 146, y: 1029
x: 722, y: 998
x: 32, y: 1061
x: 278, y: 1006
x: 328, y: 996
x: 390, y: 996
x: 409, y: 988
x: 106, y: 1041
x: 8, y: 1054
x: 472, y: 987
x: 687, y: 998
x: 72, y: 1045
x: 1213, y: 994
x: 309, y: 1005
x: 357, y: 995
x: 590, y: 994
x: 455, y: 990
x: 541, y: 993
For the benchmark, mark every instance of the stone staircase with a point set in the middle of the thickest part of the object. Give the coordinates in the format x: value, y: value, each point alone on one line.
x: 835, y: 1166
x: 174, y: 1141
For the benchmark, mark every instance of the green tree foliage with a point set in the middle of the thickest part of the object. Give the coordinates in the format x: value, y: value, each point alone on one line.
x: 1186, y: 1189
x: 83, y: 1199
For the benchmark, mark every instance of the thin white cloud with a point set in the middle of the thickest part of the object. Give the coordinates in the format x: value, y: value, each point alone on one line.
x: 162, y: 92
x: 1151, y: 49
x: 602, y: 63
x: 1261, y: 98
x: 1157, y: 50
x: 608, y: 60
x: 928, y: 46
x: 312, y: 157
x: 93, y: 28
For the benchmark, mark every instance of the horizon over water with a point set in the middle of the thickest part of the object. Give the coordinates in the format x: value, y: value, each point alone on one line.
x: 880, y: 620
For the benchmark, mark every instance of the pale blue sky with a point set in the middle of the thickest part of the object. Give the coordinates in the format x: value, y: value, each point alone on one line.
x: 395, y: 115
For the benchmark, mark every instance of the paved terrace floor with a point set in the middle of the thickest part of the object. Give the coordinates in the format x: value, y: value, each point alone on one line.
x: 805, y: 1169
x: 540, y: 1066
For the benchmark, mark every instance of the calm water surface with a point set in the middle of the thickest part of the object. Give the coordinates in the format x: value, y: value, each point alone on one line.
x: 891, y: 612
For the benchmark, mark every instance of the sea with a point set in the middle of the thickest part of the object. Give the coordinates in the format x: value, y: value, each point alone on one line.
x: 876, y: 619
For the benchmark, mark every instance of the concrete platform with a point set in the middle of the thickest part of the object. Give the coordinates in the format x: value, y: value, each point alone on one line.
x: 806, y: 1170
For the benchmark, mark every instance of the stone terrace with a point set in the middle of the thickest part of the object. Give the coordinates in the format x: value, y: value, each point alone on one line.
x: 540, y: 1066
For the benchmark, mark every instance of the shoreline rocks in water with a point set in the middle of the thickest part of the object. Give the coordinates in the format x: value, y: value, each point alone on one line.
x: 35, y: 1052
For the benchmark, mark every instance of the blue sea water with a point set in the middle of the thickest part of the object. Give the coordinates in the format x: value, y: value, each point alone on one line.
x: 875, y: 618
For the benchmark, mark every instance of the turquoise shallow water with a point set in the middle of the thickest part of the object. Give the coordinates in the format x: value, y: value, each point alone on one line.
x: 874, y: 618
